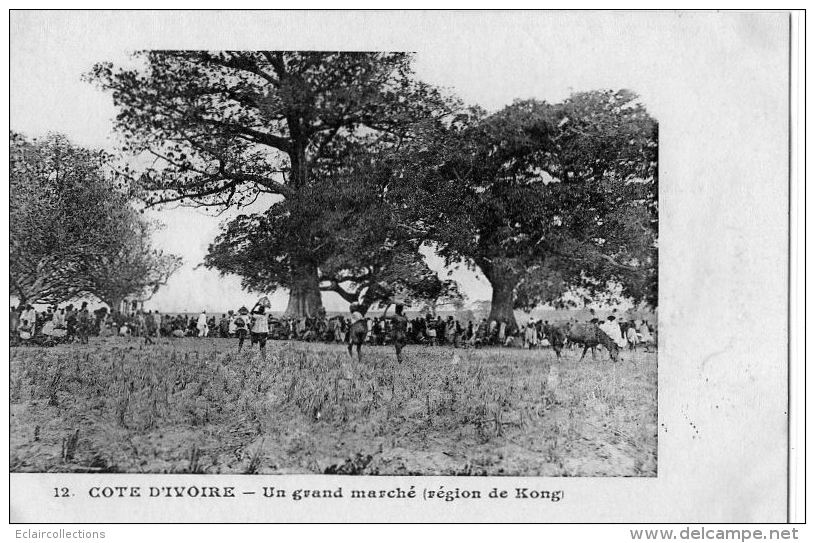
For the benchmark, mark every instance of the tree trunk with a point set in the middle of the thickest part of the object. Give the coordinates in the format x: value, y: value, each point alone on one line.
x: 304, y: 296
x: 21, y: 295
x: 114, y: 305
x: 503, y: 281
x: 503, y: 301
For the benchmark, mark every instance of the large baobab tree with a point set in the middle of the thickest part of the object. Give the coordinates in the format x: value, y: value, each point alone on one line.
x: 227, y: 126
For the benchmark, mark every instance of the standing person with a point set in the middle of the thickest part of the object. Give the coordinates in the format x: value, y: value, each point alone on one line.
x: 631, y: 335
x: 150, y: 327
x: 492, y: 334
x: 301, y: 328
x: 336, y: 326
x: 70, y: 322
x: 202, y: 324
x: 431, y: 332
x: 223, y: 326
x: 13, y: 321
x: 373, y: 327
x: 241, y: 322
x: 99, y: 319
x: 369, y: 326
x: 612, y: 329
x: 358, y: 331
x: 356, y: 314
x: 481, y: 333
x: 30, y: 316
x: 157, y: 322
x: 192, y: 326
x: 440, y: 329
x: 26, y: 328
x: 450, y: 331
x: 382, y: 332
x: 502, y: 332
x: 419, y: 330
x: 135, y: 325
x: 48, y: 326
x: 59, y: 318
x: 472, y: 334
x: 120, y: 325
x: 232, y: 328
x: 180, y: 325
x: 461, y: 332
x: 399, y: 325
x: 530, y: 335
x: 644, y: 332
x: 140, y: 324
x: 84, y: 323
x: 166, y: 327
x: 260, y: 326
x: 345, y: 325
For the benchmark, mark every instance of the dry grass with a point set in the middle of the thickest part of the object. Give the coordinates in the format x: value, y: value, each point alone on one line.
x: 196, y: 406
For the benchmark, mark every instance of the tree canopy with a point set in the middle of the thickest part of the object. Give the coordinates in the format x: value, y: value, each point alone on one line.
x: 73, y: 230
x: 227, y: 126
x: 366, y: 253
x: 548, y: 198
x: 367, y: 165
x: 136, y: 269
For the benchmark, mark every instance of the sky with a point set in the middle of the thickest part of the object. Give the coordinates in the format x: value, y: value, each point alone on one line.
x: 489, y: 59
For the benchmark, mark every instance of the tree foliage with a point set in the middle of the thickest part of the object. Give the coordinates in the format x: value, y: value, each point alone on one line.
x: 547, y: 199
x: 73, y: 229
x: 368, y: 164
x: 226, y: 126
x: 136, y: 269
x: 365, y: 251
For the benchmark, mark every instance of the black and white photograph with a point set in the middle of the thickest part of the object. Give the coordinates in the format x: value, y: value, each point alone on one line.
x: 240, y: 254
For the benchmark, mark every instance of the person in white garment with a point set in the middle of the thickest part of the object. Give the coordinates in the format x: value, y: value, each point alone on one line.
x: 530, y: 335
x: 59, y: 318
x: 644, y: 332
x: 29, y: 315
x: 202, y: 324
x: 610, y: 327
x: 232, y: 330
x: 260, y: 326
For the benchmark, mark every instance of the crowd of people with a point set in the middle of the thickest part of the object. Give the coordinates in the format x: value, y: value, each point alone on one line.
x: 70, y: 323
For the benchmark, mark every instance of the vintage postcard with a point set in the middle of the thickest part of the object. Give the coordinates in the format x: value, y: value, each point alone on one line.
x: 399, y: 266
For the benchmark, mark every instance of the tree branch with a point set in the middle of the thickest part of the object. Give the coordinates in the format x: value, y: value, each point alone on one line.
x: 334, y: 286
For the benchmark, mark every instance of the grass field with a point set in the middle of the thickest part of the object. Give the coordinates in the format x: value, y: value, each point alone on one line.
x: 196, y: 406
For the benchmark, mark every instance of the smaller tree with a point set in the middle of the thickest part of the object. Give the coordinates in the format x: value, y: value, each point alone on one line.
x: 135, y: 270
x: 73, y: 228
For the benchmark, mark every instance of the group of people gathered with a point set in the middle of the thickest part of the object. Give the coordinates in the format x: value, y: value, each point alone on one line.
x: 258, y: 325
x: 67, y: 323
x: 71, y: 323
